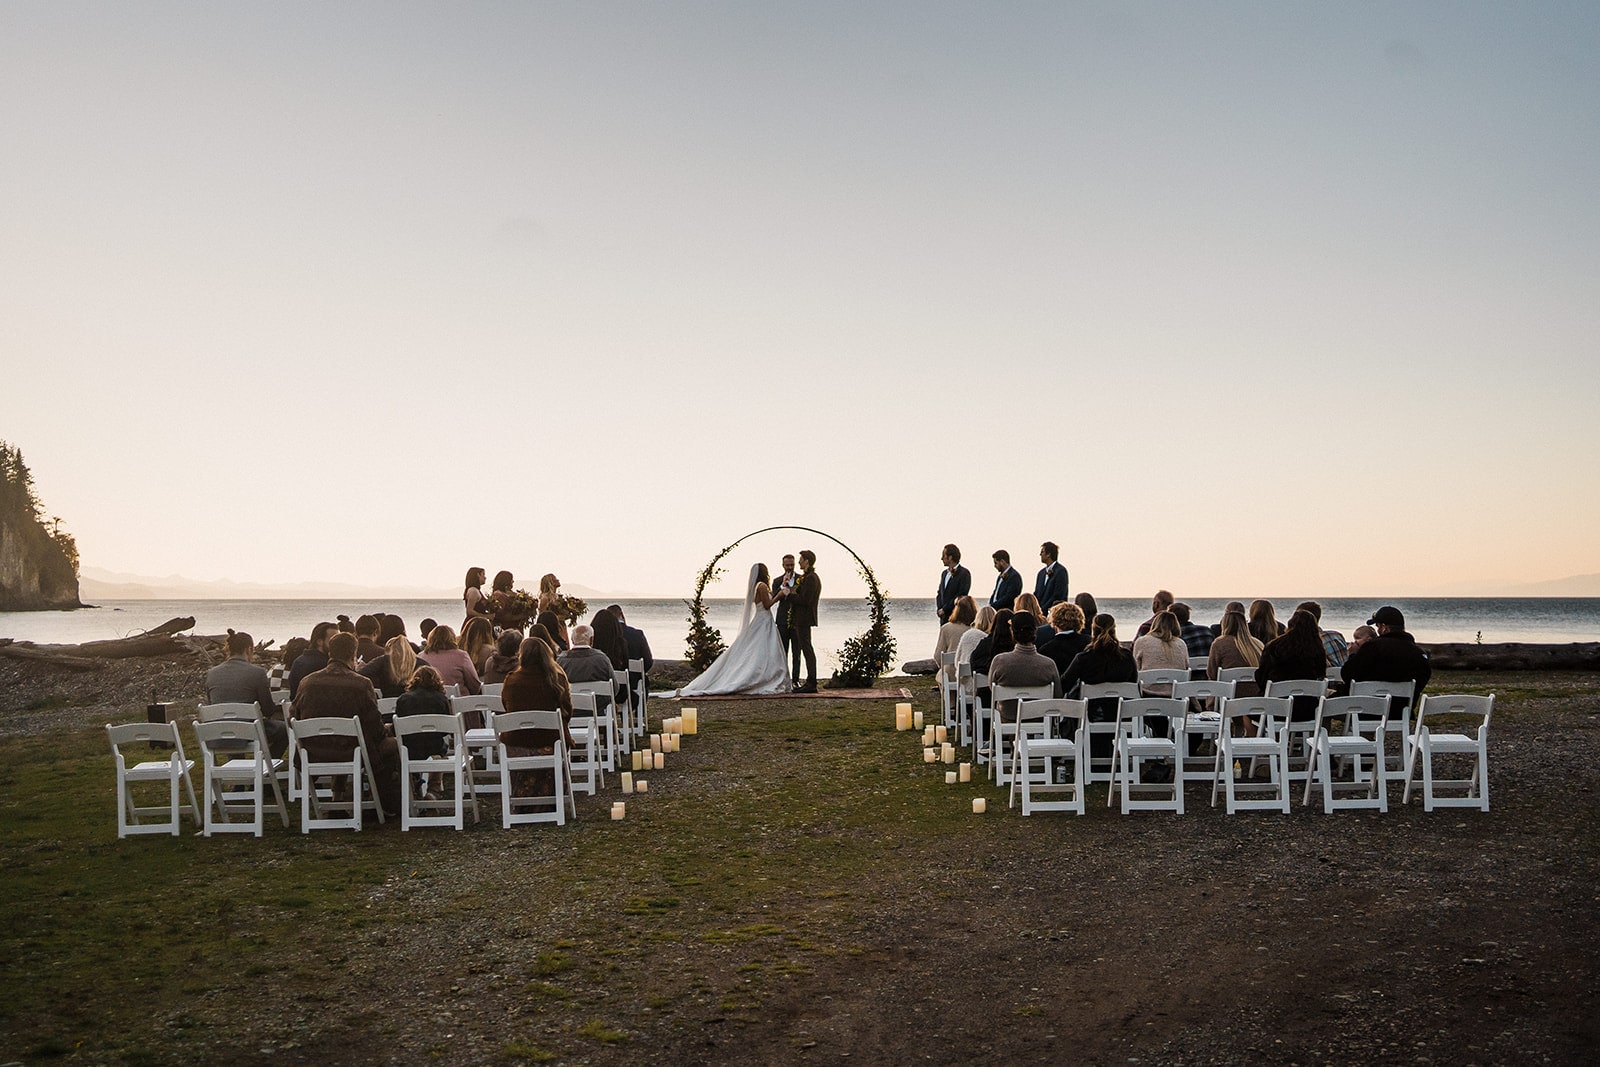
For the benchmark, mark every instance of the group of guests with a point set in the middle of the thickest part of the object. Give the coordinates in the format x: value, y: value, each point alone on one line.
x: 1025, y: 646
x: 342, y: 669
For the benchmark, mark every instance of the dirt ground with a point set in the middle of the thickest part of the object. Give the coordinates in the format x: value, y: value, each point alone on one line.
x: 799, y: 888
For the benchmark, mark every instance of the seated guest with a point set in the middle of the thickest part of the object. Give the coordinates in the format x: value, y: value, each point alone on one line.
x: 367, y: 646
x: 583, y: 662
x: 1067, y: 621
x: 1295, y: 656
x: 424, y: 628
x: 981, y: 624
x: 1232, y: 605
x: 453, y: 665
x: 1158, y: 603
x: 1196, y: 638
x: 1236, y: 646
x: 391, y: 627
x: 554, y: 628
x: 1022, y: 666
x: 1029, y: 603
x: 996, y: 641
x: 638, y: 644
x: 1161, y: 647
x: 390, y: 673
x: 1334, y: 646
x: 538, y: 684
x: 338, y: 692
x: 237, y: 680
x: 278, y: 676
x: 608, y: 638
x: 1105, y: 660
x: 1360, y: 636
x: 424, y: 695
x: 961, y: 615
x: 1392, y: 656
x: 540, y: 633
x: 345, y: 625
x: 477, y: 641
x: 1264, y: 624
x: 1090, y: 609
x: 503, y: 660
x: 314, y: 658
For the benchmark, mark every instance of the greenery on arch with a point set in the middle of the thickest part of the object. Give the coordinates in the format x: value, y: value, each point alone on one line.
x: 862, y: 660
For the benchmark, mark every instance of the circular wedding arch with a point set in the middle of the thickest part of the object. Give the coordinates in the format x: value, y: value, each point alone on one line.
x: 862, y: 659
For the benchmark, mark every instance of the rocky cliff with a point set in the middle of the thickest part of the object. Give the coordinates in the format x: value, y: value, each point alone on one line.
x: 35, y: 573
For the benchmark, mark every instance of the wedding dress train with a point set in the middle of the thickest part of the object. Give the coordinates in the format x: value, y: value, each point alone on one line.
x: 754, y: 664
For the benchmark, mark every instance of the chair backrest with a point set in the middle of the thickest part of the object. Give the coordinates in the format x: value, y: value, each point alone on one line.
x: 1022, y: 692
x: 386, y: 705
x: 232, y: 737
x: 433, y: 724
x: 1366, y: 714
x: 1199, y: 663
x: 1455, y: 704
x: 1272, y: 708
x: 1236, y: 674
x: 474, y: 710
x: 947, y: 659
x: 281, y: 697
x: 1299, y: 687
x: 1203, y: 689
x: 453, y: 690
x: 326, y: 735
x: 1054, y: 708
x: 492, y: 689
x: 604, y: 688
x: 1406, y: 691
x: 1163, y: 676
x: 1334, y: 674
x: 508, y: 721
x: 237, y: 711
x: 584, y: 702
x: 1170, y: 708
x: 636, y: 666
x: 1099, y: 690
x: 164, y: 734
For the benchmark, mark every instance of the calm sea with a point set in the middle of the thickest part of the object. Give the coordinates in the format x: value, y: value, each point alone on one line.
x: 1494, y: 619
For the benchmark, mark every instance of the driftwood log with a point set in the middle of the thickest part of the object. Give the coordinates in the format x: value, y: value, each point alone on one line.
x: 159, y: 641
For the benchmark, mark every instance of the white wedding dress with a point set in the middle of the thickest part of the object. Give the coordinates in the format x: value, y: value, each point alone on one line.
x: 753, y: 665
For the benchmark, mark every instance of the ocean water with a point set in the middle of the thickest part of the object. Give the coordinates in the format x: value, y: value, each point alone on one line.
x: 912, y: 621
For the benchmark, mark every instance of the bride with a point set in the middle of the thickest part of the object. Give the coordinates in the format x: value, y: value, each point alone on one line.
x: 753, y: 664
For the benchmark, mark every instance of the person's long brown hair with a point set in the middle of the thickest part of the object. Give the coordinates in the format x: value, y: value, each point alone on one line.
x: 536, y: 658
x: 1237, y: 630
x: 1105, y: 633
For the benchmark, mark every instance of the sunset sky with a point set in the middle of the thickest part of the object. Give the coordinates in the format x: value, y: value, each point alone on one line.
x: 1236, y: 299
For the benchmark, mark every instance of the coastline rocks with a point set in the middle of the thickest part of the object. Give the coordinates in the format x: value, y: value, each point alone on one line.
x: 35, y: 575
x: 919, y: 666
x: 1514, y: 656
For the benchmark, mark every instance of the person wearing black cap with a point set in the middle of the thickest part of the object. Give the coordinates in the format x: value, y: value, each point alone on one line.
x: 1392, y: 656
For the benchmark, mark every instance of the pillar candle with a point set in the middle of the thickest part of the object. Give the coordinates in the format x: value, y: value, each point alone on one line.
x: 927, y: 735
x: 929, y: 755
x: 638, y: 760
x: 979, y: 805
x: 948, y: 752
x: 941, y: 734
x: 916, y: 718
x: 966, y: 772
x: 641, y: 786
x: 691, y: 721
x: 660, y: 760
x: 949, y: 778
x: 627, y: 780
x: 618, y: 810
x: 655, y: 742
x: 902, y: 716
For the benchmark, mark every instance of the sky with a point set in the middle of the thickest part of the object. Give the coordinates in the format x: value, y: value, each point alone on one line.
x: 1234, y: 299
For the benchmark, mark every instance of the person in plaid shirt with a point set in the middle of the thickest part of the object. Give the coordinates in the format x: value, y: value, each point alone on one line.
x: 1334, y: 645
x: 1198, y: 638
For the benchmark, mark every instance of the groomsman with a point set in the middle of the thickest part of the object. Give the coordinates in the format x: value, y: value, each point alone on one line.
x: 955, y: 581
x: 781, y: 589
x: 1008, y: 586
x: 1050, y: 588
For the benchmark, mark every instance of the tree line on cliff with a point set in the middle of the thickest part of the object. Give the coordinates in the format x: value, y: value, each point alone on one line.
x: 38, y: 559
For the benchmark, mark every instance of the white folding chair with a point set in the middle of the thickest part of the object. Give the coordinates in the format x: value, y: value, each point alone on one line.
x: 966, y: 702
x: 386, y: 706
x: 586, y: 759
x: 533, y: 809
x: 1101, y: 768
x: 482, y: 747
x: 455, y: 761
x: 949, y: 692
x: 639, y: 682
x: 492, y: 689
x: 1200, y: 724
x: 622, y: 742
x: 1198, y: 663
x: 1049, y: 751
x: 1426, y: 744
x: 1165, y: 677
x: 1269, y: 743
x: 1359, y: 748
x: 981, y: 716
x: 337, y: 749
x: 238, y: 771
x: 237, y: 711
x: 452, y: 691
x: 1005, y: 733
x: 1237, y: 675
x: 1299, y: 731
x: 1402, y: 697
x: 605, y: 725
x: 173, y: 770
x: 1134, y: 745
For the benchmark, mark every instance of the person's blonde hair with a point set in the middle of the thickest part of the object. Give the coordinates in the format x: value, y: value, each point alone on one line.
x: 1236, y: 628
x: 440, y: 639
x: 402, y: 658
x: 1029, y: 603
x: 1066, y: 616
x: 1166, y: 627
x: 985, y: 618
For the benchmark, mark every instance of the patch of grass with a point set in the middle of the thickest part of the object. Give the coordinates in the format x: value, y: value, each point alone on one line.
x: 549, y: 963
x: 595, y: 1030
x: 525, y: 1052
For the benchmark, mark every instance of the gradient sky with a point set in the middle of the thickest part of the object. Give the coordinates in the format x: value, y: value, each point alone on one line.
x: 1236, y: 299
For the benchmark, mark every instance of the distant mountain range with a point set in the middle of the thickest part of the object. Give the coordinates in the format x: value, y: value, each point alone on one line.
x: 95, y: 584
x: 1576, y: 585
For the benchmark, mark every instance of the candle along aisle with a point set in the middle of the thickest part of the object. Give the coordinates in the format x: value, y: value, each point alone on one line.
x: 691, y: 721
x: 949, y: 778
x: 638, y: 760
x: 641, y: 786
x: 948, y: 753
x: 916, y: 718
x: 660, y: 760
x: 941, y: 734
x: 927, y: 735
x: 966, y: 772
x: 627, y: 781
x: 619, y: 810
x: 902, y: 716
x: 929, y: 755
x: 655, y: 742
x: 979, y: 805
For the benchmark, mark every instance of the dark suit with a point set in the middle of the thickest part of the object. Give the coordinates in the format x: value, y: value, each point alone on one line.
x: 1006, y: 589
x: 781, y: 616
x: 952, y: 584
x: 1051, y: 586
x: 802, y: 617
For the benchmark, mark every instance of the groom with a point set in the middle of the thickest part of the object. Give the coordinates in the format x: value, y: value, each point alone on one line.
x: 802, y: 617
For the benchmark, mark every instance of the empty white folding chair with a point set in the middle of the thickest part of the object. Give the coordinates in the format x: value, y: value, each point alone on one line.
x: 1005, y: 733
x: 1299, y: 731
x: 1154, y: 680
x: 238, y: 771
x: 173, y: 770
x: 1236, y: 754
x: 1402, y: 708
x: 1135, y: 743
x: 1201, y: 725
x: 587, y: 756
x: 639, y: 682
x: 544, y: 726
x: 1040, y: 753
x: 949, y: 692
x: 605, y: 724
x: 447, y: 735
x: 1100, y: 768
x: 1357, y: 750
x: 333, y: 749
x: 482, y: 747
x: 1428, y: 742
